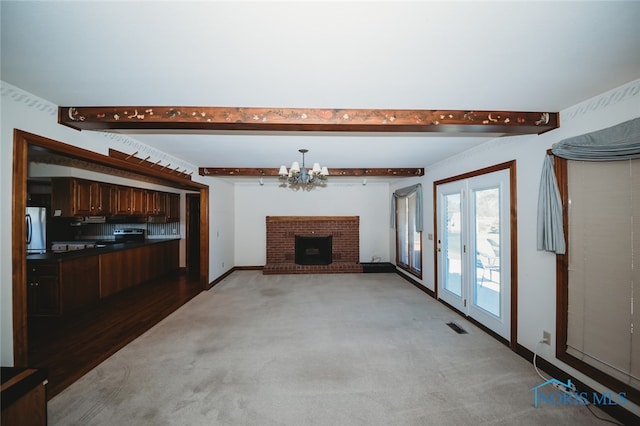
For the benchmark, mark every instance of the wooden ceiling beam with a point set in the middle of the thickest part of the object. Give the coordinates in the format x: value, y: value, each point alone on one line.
x: 305, y: 119
x: 333, y: 172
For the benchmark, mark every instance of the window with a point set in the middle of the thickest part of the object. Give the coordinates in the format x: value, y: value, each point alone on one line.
x: 408, y: 219
x: 599, y: 278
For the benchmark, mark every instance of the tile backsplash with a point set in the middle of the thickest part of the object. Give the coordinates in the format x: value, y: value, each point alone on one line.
x: 104, y: 231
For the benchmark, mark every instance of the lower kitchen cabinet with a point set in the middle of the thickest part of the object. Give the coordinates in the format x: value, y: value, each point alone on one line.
x: 43, y: 293
x: 57, y: 287
x: 126, y: 268
x: 79, y: 283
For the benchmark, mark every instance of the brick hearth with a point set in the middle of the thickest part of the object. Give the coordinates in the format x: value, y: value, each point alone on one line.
x: 281, y: 233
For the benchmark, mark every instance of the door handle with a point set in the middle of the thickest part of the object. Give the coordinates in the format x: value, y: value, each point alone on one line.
x: 29, y: 229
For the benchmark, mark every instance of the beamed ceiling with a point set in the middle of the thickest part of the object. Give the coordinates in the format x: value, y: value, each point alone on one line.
x: 369, y: 88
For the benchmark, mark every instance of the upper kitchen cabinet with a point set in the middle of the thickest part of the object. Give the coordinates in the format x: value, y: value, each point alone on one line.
x: 129, y: 201
x: 78, y: 197
x: 105, y: 199
x: 71, y: 197
x: 155, y: 203
x: 173, y: 207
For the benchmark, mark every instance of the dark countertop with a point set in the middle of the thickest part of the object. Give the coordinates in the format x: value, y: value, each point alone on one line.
x: 109, y: 247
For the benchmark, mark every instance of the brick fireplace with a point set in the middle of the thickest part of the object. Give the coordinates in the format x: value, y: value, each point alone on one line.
x: 281, y: 242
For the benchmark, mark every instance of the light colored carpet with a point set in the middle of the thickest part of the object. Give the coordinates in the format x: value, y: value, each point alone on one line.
x: 344, y: 349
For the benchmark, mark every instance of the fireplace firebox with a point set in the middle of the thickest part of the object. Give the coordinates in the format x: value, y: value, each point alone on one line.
x: 313, y: 250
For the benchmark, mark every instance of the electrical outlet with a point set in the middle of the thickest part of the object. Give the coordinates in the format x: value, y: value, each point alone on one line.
x: 546, y: 337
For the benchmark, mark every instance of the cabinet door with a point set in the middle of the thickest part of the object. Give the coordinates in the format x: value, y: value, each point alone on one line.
x: 152, y: 203
x: 161, y: 203
x: 137, y: 201
x: 82, y: 203
x: 104, y: 199
x: 123, y: 200
x: 43, y: 290
x: 173, y: 207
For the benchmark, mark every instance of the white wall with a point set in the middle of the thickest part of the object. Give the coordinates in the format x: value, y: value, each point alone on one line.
x: 253, y: 203
x: 25, y: 111
x: 221, y: 227
x: 536, y: 270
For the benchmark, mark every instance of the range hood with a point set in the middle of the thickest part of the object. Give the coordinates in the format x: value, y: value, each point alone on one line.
x: 91, y: 219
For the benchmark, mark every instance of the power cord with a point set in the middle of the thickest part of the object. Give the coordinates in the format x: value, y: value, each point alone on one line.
x: 571, y: 391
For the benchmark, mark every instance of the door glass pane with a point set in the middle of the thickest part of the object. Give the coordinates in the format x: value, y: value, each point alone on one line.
x: 452, y: 244
x: 487, y: 245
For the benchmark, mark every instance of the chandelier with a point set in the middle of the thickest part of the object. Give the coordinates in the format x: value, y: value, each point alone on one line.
x: 301, y: 178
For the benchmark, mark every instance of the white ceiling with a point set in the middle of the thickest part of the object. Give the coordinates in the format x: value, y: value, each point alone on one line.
x: 518, y: 56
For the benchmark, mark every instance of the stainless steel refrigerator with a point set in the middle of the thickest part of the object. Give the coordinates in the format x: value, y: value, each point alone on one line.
x: 36, y: 218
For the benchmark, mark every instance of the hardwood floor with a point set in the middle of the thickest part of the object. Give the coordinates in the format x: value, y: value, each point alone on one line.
x: 70, y: 346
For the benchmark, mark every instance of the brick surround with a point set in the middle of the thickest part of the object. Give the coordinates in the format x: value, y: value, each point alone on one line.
x: 281, y: 232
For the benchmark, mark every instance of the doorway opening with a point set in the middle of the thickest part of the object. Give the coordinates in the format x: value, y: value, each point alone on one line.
x: 193, y: 234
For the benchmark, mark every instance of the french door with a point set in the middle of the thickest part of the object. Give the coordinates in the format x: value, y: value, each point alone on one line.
x: 473, y: 222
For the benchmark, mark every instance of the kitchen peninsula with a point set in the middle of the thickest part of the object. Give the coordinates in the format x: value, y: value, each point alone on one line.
x: 60, y: 283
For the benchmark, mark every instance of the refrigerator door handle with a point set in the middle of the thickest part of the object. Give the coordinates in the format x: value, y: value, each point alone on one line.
x: 29, y: 229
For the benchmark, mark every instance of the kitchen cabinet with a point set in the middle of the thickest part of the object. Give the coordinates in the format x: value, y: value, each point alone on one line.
x: 73, y: 197
x: 43, y: 295
x: 155, y: 203
x: 81, y: 201
x: 126, y: 268
x: 79, y: 197
x: 104, y: 196
x: 56, y: 288
x: 173, y: 207
x: 61, y: 286
x: 129, y: 201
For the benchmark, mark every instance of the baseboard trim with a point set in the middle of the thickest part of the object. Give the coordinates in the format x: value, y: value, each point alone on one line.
x: 417, y: 284
x: 220, y: 278
x: 616, y: 411
x: 248, y: 268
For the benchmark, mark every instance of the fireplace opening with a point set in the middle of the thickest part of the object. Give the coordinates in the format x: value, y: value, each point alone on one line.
x: 314, y: 250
